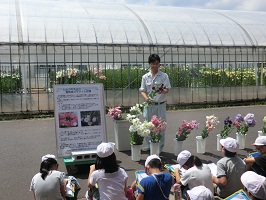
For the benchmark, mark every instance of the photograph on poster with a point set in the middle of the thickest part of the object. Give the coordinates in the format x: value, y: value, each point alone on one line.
x: 68, y: 119
x: 90, y: 118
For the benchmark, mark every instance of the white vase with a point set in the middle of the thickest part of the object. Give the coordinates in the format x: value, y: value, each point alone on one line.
x: 178, y: 146
x: 260, y: 133
x: 122, y: 136
x: 154, y: 148
x: 241, y: 139
x: 201, y: 144
x: 219, y: 137
x: 135, y: 152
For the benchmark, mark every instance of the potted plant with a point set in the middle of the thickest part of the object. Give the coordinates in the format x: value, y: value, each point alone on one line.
x: 121, y: 126
x: 158, y: 125
x: 138, y: 130
x: 182, y: 133
x: 211, y: 122
x: 228, y: 127
x: 242, y: 126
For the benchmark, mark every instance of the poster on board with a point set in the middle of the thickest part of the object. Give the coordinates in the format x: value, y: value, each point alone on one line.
x: 79, y: 117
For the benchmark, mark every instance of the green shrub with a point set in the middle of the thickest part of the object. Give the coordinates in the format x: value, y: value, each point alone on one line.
x: 180, y: 76
x: 10, y: 82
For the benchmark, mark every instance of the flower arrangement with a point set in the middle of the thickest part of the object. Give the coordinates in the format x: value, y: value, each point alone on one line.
x: 242, y: 124
x: 156, y: 89
x: 138, y: 131
x: 68, y: 119
x: 115, y: 113
x: 228, y: 127
x: 211, y: 122
x: 185, y: 129
x: 158, y: 125
x: 263, y: 128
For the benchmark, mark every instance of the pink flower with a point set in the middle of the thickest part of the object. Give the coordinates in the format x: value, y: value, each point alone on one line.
x: 61, y: 116
x: 236, y: 124
x: 102, y: 77
x: 115, y: 113
x: 159, y: 124
x: 73, y: 73
x: 62, y: 123
x: 185, y: 129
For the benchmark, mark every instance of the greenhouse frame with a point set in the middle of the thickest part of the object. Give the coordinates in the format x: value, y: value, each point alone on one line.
x: 210, y: 56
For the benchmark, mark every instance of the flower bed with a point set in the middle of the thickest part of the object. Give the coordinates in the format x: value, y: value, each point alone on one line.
x: 10, y: 81
x: 180, y: 76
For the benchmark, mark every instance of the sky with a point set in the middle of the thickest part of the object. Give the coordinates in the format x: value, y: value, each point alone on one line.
x: 243, y: 5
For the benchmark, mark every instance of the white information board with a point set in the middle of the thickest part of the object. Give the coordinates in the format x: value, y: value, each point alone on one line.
x: 79, y: 117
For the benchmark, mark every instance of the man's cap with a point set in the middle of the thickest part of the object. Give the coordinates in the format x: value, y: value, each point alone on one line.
x: 151, y: 157
x: 260, y: 141
x: 182, y: 157
x: 104, y: 150
x: 255, y: 183
x: 48, y: 156
x: 230, y: 144
x: 200, y: 193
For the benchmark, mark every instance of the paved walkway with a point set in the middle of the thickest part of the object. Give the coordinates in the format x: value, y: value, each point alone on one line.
x: 24, y: 142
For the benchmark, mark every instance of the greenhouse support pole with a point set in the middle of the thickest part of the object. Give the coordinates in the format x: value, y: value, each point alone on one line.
x: 261, y: 73
x: 21, y: 51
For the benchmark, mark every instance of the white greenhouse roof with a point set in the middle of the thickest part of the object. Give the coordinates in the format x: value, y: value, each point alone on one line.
x: 68, y: 21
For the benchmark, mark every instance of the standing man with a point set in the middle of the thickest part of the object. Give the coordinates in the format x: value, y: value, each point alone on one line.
x: 154, y: 79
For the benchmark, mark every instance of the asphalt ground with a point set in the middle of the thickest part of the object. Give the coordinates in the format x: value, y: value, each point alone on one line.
x: 24, y: 142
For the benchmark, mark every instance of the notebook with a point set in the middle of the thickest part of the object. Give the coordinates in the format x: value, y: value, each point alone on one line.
x: 254, y: 154
x: 239, y: 195
x: 171, y: 168
x: 140, y: 174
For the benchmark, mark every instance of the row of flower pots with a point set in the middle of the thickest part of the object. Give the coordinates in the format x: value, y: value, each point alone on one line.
x: 201, y: 143
x: 138, y: 130
x: 122, y: 141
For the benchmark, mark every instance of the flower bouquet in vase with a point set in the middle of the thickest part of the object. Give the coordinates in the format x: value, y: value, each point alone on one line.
x: 242, y: 126
x: 262, y: 132
x: 121, y: 126
x: 138, y: 130
x: 182, y: 133
x: 158, y: 125
x: 228, y: 128
x: 211, y: 122
x: 115, y: 113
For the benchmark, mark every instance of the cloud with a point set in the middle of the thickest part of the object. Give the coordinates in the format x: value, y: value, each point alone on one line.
x: 248, y: 5
x: 258, y: 5
x: 245, y: 5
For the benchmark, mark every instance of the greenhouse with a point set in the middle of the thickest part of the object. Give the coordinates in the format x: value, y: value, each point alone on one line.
x: 210, y: 56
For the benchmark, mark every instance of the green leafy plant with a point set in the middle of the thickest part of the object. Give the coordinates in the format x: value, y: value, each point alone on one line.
x: 10, y: 81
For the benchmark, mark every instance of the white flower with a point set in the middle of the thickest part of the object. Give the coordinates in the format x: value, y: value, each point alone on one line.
x: 136, y: 121
x: 130, y: 117
x: 143, y: 130
x: 149, y: 125
x: 133, y: 128
x: 135, y: 110
x: 212, y: 119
